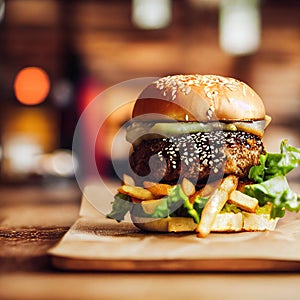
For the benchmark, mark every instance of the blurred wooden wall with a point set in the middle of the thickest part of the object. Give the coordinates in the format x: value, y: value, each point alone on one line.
x: 100, y: 38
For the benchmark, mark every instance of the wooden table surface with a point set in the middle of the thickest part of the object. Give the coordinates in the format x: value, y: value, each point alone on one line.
x: 34, y: 218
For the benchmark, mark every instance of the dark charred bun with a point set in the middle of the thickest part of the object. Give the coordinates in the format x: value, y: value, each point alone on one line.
x: 200, y: 98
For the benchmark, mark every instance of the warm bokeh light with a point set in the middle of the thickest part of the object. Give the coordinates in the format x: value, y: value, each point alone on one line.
x: 32, y: 85
x: 61, y: 162
x: 240, y: 26
x: 27, y: 133
x: 151, y: 14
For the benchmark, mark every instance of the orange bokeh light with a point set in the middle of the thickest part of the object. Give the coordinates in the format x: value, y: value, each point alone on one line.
x: 32, y: 85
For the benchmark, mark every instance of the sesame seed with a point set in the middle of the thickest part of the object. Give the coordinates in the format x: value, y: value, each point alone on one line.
x: 212, y: 84
x: 202, y: 150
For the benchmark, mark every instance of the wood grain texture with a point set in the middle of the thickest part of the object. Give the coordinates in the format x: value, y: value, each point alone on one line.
x: 26, y: 272
x: 207, y: 265
x: 32, y: 220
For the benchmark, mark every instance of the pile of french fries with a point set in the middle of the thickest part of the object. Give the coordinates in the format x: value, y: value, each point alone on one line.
x: 226, y: 190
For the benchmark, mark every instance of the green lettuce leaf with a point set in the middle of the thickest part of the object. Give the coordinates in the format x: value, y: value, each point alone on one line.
x: 271, y: 184
x: 199, y: 204
x: 163, y: 210
x: 230, y: 208
x: 120, y: 207
x: 175, y: 201
x: 276, y: 191
x: 276, y: 164
x: 172, y: 202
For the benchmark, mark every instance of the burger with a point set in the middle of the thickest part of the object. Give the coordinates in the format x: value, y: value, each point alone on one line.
x: 198, y: 162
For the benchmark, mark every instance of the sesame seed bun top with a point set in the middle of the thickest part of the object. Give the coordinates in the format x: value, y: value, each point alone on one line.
x: 200, y: 98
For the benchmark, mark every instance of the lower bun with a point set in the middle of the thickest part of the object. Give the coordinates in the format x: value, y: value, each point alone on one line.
x: 169, y: 224
x: 225, y: 222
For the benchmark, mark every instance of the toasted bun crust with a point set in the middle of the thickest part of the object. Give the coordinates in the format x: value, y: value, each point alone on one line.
x: 225, y: 222
x: 200, y: 98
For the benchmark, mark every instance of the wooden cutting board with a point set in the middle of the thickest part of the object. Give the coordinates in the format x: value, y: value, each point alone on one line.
x: 98, y: 244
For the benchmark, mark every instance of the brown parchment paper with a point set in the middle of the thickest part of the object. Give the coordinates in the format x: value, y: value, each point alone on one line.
x: 95, y: 238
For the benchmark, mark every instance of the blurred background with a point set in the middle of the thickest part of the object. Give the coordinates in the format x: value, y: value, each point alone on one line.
x: 57, y: 55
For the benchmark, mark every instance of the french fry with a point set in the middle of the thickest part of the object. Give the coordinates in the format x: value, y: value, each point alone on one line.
x: 136, y: 192
x: 157, y: 189
x: 215, y: 204
x: 128, y: 180
x: 188, y: 187
x: 243, y: 201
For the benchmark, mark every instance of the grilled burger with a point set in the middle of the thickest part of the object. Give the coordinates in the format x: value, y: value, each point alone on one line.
x: 198, y: 158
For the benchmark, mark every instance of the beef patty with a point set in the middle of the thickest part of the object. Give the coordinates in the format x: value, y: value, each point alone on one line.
x: 196, y: 156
